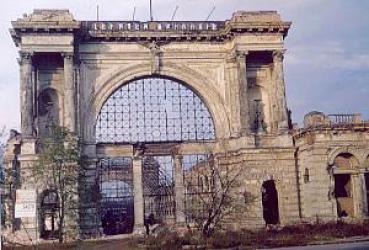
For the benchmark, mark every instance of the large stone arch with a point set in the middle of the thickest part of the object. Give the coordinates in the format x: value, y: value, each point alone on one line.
x: 193, y: 79
x: 342, y: 150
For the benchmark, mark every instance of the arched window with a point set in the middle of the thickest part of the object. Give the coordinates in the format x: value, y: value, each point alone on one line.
x: 154, y: 109
x: 257, y: 106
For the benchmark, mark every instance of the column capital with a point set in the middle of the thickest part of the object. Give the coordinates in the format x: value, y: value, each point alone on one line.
x: 178, y: 157
x: 138, y: 151
x: 67, y: 55
x: 25, y: 57
x: 236, y: 55
x: 278, y: 55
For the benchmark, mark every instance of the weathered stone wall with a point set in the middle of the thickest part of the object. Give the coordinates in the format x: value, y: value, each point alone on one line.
x: 258, y: 166
x: 317, y: 151
x: 235, y: 67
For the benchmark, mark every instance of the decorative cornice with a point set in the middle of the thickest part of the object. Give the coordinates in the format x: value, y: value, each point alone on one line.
x: 217, y: 31
x: 61, y: 21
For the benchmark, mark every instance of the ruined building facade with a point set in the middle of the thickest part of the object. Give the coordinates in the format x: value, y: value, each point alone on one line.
x: 151, y: 102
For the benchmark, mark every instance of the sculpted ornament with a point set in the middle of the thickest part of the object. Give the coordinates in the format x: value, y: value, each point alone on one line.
x: 155, y: 55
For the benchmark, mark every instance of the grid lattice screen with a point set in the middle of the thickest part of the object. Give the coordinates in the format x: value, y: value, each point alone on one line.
x: 154, y: 110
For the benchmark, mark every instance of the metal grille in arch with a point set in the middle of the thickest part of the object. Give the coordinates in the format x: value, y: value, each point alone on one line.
x: 154, y: 110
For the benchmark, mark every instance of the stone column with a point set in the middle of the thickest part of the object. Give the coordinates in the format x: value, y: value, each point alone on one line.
x: 355, y: 182
x: 363, y: 197
x: 244, y: 102
x: 237, y: 92
x: 138, y: 194
x: 69, y: 93
x: 280, y: 111
x: 26, y: 94
x: 179, y: 190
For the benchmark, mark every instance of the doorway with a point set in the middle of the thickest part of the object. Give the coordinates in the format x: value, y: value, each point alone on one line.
x: 270, y: 202
x: 343, y: 194
x: 366, y: 176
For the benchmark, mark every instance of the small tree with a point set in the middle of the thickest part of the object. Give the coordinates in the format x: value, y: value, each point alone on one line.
x: 2, y: 176
x: 2, y: 151
x: 209, y: 209
x: 57, y: 167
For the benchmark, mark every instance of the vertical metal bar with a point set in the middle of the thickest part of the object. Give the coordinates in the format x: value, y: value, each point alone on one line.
x: 165, y: 109
x: 151, y: 15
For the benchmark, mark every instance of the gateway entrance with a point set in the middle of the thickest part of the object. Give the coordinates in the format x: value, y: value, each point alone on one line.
x: 151, y: 118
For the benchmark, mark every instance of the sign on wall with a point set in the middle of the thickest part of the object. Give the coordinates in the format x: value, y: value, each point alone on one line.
x: 25, y: 203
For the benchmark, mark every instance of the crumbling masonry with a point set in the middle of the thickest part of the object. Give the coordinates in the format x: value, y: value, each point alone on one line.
x: 153, y: 101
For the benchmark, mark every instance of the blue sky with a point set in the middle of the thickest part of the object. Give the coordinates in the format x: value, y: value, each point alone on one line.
x: 326, y: 64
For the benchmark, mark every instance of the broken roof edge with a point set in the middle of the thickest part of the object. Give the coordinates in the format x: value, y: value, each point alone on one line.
x: 64, y: 15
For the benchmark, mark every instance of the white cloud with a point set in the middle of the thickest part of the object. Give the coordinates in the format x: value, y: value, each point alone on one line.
x: 329, y: 54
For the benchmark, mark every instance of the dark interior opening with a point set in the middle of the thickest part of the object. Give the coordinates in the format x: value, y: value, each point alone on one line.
x: 270, y: 202
x: 367, y: 190
x: 343, y: 194
x: 342, y: 186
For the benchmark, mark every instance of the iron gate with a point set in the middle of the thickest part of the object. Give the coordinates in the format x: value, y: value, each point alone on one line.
x: 116, y: 190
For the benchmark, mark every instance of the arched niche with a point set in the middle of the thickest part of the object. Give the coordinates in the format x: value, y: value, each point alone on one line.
x: 258, y: 106
x: 47, y: 110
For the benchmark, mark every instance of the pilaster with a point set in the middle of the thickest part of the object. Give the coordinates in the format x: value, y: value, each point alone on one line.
x: 280, y: 102
x: 69, y: 93
x: 237, y: 93
x: 26, y: 85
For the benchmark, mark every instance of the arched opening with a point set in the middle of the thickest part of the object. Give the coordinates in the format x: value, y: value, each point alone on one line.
x: 49, y: 215
x: 270, y: 202
x: 345, y: 164
x: 154, y: 109
x: 157, y: 113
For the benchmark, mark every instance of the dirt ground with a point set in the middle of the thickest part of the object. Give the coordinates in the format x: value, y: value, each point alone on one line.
x: 124, y: 243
